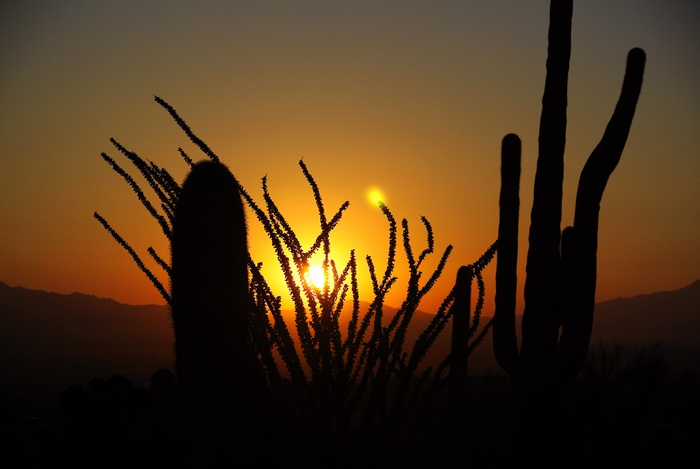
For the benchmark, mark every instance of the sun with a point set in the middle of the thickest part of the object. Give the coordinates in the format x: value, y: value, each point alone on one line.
x: 316, y: 276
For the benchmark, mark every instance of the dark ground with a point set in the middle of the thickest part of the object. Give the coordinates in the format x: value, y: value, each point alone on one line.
x: 637, y: 414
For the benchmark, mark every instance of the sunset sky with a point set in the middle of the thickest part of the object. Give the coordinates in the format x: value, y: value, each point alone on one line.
x: 410, y: 98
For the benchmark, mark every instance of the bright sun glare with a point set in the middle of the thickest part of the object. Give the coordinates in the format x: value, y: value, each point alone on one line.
x: 375, y: 196
x: 316, y: 276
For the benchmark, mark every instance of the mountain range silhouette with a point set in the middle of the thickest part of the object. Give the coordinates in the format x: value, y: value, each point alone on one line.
x: 52, y: 339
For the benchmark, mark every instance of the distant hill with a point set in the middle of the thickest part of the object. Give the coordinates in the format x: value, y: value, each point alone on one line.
x: 50, y: 337
x: 54, y: 338
x: 670, y: 317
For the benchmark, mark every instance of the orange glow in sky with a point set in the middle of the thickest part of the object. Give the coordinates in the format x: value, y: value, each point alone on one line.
x: 403, y: 102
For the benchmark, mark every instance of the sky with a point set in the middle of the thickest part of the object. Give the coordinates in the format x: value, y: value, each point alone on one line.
x: 410, y: 98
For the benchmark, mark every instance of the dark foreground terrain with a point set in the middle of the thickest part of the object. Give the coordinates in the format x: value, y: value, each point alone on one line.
x: 79, y: 385
x: 627, y: 413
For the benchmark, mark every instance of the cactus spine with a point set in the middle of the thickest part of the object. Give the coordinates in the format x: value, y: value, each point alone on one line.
x: 561, y: 266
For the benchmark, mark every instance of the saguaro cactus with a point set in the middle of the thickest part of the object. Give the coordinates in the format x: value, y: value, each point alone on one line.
x: 561, y: 266
x: 461, y: 315
x: 210, y: 302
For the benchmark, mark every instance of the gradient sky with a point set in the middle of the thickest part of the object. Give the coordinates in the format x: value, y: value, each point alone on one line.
x: 410, y: 97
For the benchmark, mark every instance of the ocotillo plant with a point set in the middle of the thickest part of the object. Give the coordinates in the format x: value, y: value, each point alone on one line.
x: 363, y: 382
x: 561, y: 266
x: 348, y: 370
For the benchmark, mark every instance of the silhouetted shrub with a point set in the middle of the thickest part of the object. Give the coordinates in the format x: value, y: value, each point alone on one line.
x: 603, y: 364
x: 649, y: 367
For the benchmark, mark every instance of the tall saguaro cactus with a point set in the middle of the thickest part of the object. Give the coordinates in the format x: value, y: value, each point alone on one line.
x: 210, y: 303
x: 561, y: 266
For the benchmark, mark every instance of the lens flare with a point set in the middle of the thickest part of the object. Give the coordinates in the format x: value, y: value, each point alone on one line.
x: 375, y: 197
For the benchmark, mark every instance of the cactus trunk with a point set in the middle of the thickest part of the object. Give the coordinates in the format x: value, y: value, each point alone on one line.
x: 461, y: 318
x: 210, y: 308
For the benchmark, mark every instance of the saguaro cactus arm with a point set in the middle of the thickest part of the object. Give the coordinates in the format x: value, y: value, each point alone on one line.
x: 504, y: 337
x: 580, y: 250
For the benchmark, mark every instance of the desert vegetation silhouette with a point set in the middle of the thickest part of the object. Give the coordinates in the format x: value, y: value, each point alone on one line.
x: 314, y: 391
x: 561, y: 265
x: 238, y: 363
